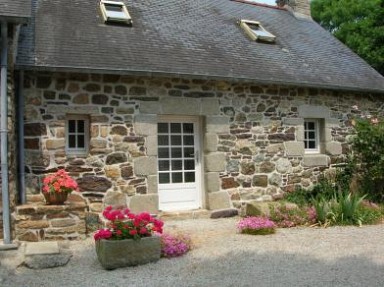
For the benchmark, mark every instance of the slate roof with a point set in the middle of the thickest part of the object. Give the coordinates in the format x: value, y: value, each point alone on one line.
x: 196, y: 38
x: 15, y: 10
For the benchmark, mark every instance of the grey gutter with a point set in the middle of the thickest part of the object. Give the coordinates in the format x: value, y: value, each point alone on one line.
x: 4, y: 133
x: 125, y: 72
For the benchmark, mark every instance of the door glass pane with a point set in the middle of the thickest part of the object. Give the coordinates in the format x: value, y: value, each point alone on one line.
x: 188, y: 140
x: 175, y: 128
x: 163, y: 165
x: 162, y: 140
x: 162, y: 127
x: 176, y: 153
x: 177, y: 177
x: 189, y: 165
x: 163, y: 152
x: 188, y: 128
x: 189, y: 176
x: 163, y: 177
x: 72, y: 141
x: 189, y: 152
x: 176, y: 140
x: 177, y: 165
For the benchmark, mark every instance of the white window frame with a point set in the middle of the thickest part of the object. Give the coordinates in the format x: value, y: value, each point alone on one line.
x: 78, y: 151
x: 114, y: 16
x: 260, y: 34
x: 316, y: 130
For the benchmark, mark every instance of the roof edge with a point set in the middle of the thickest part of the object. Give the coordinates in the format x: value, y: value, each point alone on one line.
x: 15, y: 19
x: 68, y: 69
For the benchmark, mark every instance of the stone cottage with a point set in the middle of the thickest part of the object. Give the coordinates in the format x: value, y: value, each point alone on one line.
x: 184, y: 105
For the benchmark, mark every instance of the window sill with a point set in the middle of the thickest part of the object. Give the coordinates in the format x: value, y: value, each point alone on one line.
x: 315, y: 159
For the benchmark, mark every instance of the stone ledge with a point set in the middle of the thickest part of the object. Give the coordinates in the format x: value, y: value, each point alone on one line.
x: 310, y: 160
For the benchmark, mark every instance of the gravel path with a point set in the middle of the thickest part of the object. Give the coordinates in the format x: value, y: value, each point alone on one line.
x: 336, y: 256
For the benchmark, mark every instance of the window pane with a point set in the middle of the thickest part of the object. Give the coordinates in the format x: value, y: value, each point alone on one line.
x: 188, y: 128
x: 306, y: 145
x: 72, y: 141
x: 311, y: 135
x: 189, y: 164
x: 188, y: 140
x: 176, y: 153
x: 164, y: 178
x: 189, y: 152
x: 311, y: 126
x: 80, y: 141
x: 177, y: 177
x: 311, y: 144
x: 163, y: 165
x: 189, y: 176
x: 175, y: 128
x: 163, y: 153
x: 80, y: 126
x: 162, y: 140
x: 177, y: 165
x: 162, y: 128
x: 71, y: 126
x: 176, y: 140
x: 115, y: 8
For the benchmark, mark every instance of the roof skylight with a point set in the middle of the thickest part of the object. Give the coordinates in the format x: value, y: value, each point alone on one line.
x: 115, y: 11
x: 256, y: 32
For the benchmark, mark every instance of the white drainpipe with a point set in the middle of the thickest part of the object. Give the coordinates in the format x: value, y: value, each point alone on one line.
x: 4, y: 133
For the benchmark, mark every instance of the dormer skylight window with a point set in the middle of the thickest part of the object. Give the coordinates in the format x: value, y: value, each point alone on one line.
x: 256, y: 32
x: 115, y: 12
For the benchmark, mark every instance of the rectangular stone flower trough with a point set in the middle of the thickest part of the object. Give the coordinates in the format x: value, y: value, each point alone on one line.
x: 114, y: 254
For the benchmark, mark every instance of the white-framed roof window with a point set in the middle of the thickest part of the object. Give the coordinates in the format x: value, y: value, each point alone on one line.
x: 256, y: 32
x: 311, y: 135
x: 115, y: 12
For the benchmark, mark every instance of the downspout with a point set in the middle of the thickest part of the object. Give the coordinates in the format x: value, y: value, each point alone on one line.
x: 4, y: 133
x: 21, y: 154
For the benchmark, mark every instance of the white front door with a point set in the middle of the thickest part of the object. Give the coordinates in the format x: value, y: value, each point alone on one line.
x: 178, y: 163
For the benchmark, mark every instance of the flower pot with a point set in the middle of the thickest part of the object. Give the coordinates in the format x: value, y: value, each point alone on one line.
x: 53, y: 198
x: 114, y: 254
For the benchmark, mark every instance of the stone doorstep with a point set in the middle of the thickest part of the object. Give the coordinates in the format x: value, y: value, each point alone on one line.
x: 41, y: 248
x: 48, y: 254
x: 181, y: 215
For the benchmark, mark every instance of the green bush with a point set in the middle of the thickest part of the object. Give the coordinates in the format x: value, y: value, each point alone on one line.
x: 323, y: 189
x: 368, y: 147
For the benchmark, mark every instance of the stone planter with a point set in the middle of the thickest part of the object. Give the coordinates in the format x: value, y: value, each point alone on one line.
x: 53, y: 198
x: 114, y: 254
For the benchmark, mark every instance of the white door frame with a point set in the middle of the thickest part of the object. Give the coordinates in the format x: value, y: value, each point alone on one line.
x: 198, y: 165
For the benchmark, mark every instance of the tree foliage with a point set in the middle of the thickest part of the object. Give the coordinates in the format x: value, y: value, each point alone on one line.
x: 359, y: 24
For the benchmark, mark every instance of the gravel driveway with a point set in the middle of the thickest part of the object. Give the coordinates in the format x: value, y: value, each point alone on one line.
x: 336, y: 256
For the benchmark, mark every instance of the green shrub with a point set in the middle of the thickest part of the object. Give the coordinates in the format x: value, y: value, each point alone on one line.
x: 368, y: 147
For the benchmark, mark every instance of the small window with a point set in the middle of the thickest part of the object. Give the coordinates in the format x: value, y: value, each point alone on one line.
x: 256, y: 32
x: 311, y: 135
x: 115, y: 12
x: 77, y: 135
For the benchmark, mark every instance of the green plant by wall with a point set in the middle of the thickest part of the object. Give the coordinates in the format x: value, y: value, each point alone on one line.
x: 368, y: 148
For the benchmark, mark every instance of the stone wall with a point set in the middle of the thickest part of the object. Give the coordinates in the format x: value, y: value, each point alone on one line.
x: 252, y: 135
